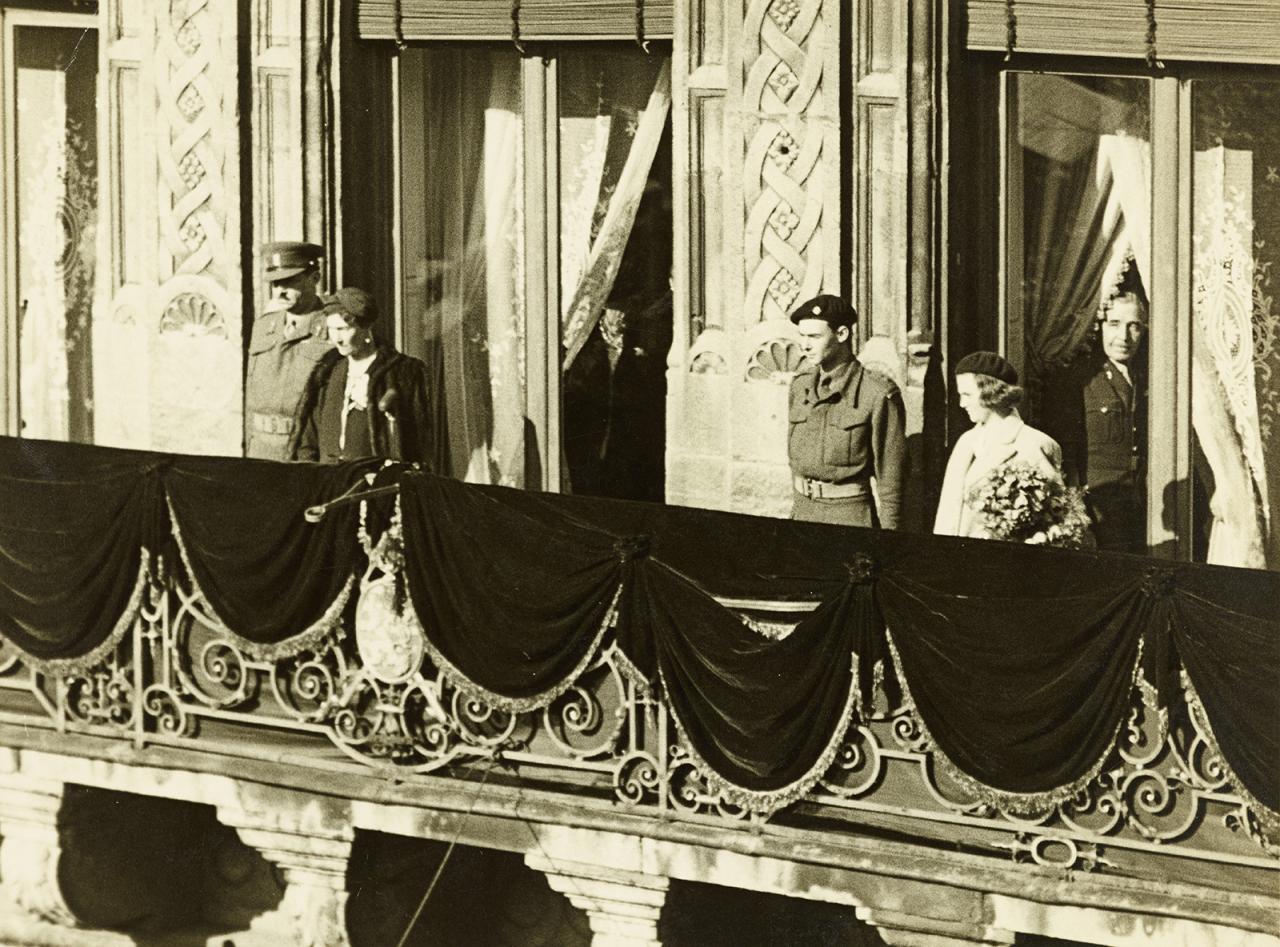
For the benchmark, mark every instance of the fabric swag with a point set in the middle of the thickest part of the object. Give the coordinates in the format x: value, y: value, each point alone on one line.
x: 1019, y: 662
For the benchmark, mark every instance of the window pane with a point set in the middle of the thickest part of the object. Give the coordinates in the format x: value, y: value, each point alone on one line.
x: 1235, y: 370
x: 615, y: 264
x: 1079, y: 226
x: 56, y: 71
x: 462, y: 196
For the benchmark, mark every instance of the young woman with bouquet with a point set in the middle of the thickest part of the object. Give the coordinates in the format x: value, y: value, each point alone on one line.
x: 1004, y: 478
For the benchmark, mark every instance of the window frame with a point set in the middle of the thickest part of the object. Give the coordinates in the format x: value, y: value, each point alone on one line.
x: 543, y: 341
x: 1169, y: 432
x: 539, y: 76
x: 10, y: 338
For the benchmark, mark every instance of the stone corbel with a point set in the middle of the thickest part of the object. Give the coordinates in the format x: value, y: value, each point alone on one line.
x: 909, y: 930
x: 30, y: 847
x: 621, y: 906
x: 313, y: 867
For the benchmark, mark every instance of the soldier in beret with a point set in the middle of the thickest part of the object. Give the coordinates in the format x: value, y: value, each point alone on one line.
x: 287, y: 342
x: 847, y: 426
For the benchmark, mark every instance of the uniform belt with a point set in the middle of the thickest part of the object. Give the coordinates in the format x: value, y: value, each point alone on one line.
x: 822, y: 490
x: 271, y: 423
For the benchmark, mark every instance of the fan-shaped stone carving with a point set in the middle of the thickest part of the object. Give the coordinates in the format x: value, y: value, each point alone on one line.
x: 194, y: 315
x: 775, y: 360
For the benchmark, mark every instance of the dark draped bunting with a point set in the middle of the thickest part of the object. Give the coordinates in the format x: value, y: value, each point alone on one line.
x: 1231, y: 659
x: 1022, y: 692
x: 766, y: 715
x: 73, y: 524
x: 511, y: 595
x: 1019, y: 661
x: 268, y: 575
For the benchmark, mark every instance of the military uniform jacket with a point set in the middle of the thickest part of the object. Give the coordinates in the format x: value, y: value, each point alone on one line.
x: 1113, y: 429
x: 281, y: 359
x: 849, y: 434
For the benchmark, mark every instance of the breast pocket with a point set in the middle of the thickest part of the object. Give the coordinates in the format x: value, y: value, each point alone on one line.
x: 1106, y: 423
x: 846, y: 440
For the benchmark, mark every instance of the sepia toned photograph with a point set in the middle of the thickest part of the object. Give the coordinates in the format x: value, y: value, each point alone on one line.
x: 704, y: 473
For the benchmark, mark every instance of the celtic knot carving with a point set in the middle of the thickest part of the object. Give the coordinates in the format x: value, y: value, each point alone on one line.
x: 193, y: 145
x: 785, y: 147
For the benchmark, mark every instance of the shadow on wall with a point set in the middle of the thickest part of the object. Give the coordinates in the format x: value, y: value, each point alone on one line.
x: 482, y: 897
x: 150, y: 867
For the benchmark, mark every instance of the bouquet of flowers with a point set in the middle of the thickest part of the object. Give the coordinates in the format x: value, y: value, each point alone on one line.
x: 1020, y: 503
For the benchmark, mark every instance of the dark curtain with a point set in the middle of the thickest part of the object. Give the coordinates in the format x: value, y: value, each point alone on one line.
x: 73, y: 523
x: 265, y: 571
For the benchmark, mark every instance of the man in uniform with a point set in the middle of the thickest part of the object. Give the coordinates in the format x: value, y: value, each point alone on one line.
x: 847, y: 426
x: 288, y: 340
x: 1114, y: 428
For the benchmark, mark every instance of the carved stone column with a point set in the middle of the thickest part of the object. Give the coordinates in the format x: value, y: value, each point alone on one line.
x: 621, y: 906
x: 908, y: 930
x: 30, y: 847
x: 313, y: 866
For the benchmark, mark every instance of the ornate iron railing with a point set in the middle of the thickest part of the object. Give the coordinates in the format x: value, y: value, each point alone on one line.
x: 367, y: 696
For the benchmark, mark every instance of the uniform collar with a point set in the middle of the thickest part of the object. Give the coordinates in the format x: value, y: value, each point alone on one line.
x: 843, y: 382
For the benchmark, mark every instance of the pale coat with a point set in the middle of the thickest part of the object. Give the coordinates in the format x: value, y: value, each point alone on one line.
x: 979, y: 451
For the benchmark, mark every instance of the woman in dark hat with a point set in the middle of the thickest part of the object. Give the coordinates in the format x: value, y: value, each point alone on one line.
x: 988, y: 388
x: 365, y: 399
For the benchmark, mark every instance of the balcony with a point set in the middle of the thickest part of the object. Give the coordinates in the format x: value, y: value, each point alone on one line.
x: 958, y: 741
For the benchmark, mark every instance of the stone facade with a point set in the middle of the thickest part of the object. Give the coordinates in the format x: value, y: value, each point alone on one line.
x: 168, y: 314
x: 777, y: 188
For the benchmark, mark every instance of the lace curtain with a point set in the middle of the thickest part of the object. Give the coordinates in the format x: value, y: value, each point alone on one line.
x: 603, y: 193
x: 1224, y: 407
x: 1224, y: 410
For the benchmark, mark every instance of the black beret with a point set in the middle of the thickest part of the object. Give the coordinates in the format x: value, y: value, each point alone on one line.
x: 988, y: 363
x: 355, y: 305
x: 831, y: 309
x: 285, y: 258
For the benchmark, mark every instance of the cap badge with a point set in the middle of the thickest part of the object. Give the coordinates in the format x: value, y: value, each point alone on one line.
x: 817, y: 310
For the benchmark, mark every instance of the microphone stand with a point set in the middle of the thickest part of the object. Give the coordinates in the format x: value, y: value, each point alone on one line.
x: 314, y: 514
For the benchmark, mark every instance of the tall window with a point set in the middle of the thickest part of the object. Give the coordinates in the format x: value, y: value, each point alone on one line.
x: 50, y: 71
x: 1124, y: 219
x: 536, y: 253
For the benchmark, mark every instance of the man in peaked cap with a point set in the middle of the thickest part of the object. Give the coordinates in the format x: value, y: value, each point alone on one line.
x: 288, y: 340
x: 847, y: 426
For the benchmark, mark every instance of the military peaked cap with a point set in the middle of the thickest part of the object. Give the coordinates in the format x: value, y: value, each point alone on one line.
x: 830, y: 309
x: 285, y: 258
